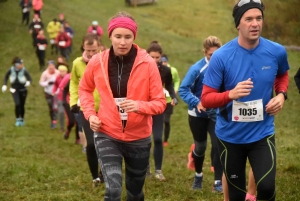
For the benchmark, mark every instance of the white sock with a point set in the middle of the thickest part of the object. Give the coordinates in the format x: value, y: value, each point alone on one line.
x: 199, y: 174
x: 216, y: 181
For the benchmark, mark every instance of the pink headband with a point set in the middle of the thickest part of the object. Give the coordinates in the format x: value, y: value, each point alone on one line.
x: 122, y: 22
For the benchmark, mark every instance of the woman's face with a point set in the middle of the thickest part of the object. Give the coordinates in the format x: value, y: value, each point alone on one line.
x: 209, y: 52
x: 122, y: 40
x: 62, y: 73
x: 51, y: 68
x: 156, y: 56
x: 19, y: 66
x: 60, y: 60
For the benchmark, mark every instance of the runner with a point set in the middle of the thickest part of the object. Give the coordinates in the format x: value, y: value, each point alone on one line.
x: 35, y: 26
x: 129, y: 99
x: 201, y: 120
x: 63, y: 42
x: 41, y: 45
x: 155, y: 51
x: 90, y: 45
x: 19, y: 81
x: 240, y: 81
x: 47, y: 80
x: 25, y: 5
x: 297, y: 79
x: 169, y: 110
x: 37, y: 6
x: 95, y: 29
x: 53, y: 28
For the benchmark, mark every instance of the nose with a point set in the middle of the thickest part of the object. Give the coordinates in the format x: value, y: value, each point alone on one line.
x: 122, y: 41
x: 254, y: 22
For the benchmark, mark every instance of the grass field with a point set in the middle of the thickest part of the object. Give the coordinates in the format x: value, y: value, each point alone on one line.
x: 37, y: 164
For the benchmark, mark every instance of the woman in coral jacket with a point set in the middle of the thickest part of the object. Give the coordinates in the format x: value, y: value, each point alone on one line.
x: 37, y: 6
x: 131, y: 92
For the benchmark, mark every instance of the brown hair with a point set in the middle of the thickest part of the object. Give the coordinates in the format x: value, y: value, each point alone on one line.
x: 122, y: 14
x: 154, y: 47
x: 211, y: 41
x: 90, y: 38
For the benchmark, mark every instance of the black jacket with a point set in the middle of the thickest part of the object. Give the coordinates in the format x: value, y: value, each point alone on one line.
x: 166, y: 78
x: 297, y: 79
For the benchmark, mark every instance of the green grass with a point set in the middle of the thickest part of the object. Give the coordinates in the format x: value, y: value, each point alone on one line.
x: 37, y: 164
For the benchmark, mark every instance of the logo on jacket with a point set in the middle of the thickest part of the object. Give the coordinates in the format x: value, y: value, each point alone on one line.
x: 266, y: 68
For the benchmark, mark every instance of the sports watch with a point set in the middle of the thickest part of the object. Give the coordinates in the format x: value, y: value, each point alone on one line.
x: 284, y: 94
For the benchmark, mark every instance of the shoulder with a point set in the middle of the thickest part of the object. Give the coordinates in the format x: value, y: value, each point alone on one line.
x: 272, y: 46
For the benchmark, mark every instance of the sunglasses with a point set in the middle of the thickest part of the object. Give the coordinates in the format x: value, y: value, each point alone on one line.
x: 243, y: 2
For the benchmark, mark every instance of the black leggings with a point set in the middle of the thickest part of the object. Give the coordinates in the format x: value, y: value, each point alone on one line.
x: 25, y: 17
x: 157, y: 132
x: 91, y: 154
x: 199, y: 127
x: 136, y: 157
x: 167, y: 116
x: 50, y: 102
x: 71, y: 120
x: 41, y: 57
x: 19, y: 97
x: 262, y: 158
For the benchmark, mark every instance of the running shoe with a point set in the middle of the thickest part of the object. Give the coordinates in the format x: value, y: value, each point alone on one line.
x: 17, y: 122
x: 197, y: 184
x: 66, y: 135
x: 96, y: 182
x: 217, y: 187
x: 21, y: 122
x: 53, y: 124
x: 250, y: 197
x: 165, y: 144
x: 191, y: 162
x: 159, y: 175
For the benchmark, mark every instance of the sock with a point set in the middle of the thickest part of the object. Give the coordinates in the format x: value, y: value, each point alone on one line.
x: 199, y: 174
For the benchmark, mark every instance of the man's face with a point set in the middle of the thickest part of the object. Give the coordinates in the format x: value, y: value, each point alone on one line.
x: 122, y: 40
x: 91, y: 50
x: 209, y: 52
x: 250, y: 26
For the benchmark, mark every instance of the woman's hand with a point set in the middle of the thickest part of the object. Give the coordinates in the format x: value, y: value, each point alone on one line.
x: 129, y: 106
x: 95, y: 122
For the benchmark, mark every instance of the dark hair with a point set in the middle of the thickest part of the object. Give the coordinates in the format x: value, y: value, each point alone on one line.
x: 16, y: 60
x: 154, y: 47
x: 90, y: 38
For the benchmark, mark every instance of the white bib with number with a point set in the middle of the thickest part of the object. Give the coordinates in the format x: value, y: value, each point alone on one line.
x: 25, y: 10
x: 41, y: 47
x: 52, y: 41
x: 247, y: 111
x: 62, y: 43
x: 122, y: 112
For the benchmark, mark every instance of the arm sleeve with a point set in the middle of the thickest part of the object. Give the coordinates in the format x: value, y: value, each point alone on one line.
x: 43, y: 82
x: 185, y: 91
x: 100, y: 31
x: 74, y: 83
x: 27, y: 75
x: 86, y: 89
x: 211, y: 98
x: 281, y: 83
x: 176, y: 79
x: 297, y: 79
x: 169, y: 84
x: 6, y: 77
x: 157, y: 101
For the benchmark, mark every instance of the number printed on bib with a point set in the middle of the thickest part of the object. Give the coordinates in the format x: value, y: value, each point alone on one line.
x: 122, y: 112
x: 247, y: 111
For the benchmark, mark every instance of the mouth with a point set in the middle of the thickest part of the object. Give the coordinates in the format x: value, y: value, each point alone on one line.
x: 254, y: 31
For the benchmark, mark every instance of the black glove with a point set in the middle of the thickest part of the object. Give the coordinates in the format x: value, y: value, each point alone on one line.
x: 50, y: 83
x: 75, y: 108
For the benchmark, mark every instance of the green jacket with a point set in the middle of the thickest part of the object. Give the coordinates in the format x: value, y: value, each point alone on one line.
x: 77, y: 72
x: 176, y: 81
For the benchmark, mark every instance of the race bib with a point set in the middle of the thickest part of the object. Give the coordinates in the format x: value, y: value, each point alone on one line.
x: 122, y: 112
x: 62, y: 43
x: 25, y: 10
x: 166, y: 92
x: 94, y: 32
x: 247, y: 111
x: 41, y: 47
x: 37, y: 26
x: 52, y: 41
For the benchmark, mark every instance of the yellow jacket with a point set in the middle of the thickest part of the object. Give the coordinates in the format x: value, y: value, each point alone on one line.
x: 77, y: 72
x: 53, y: 29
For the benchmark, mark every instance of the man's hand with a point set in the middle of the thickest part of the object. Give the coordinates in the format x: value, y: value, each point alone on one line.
x: 75, y: 108
x: 200, y: 107
x: 95, y: 122
x: 275, y: 104
x: 242, y: 89
x: 174, y: 102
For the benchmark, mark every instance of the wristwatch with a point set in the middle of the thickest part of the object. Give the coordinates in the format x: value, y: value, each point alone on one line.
x: 284, y: 94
